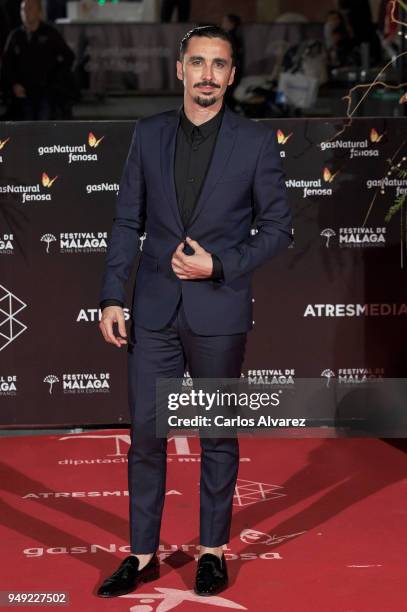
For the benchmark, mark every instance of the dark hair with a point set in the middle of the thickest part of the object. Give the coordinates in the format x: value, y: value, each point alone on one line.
x: 207, y: 31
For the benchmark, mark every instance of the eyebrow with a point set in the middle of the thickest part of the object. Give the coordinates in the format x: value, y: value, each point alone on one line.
x: 200, y: 57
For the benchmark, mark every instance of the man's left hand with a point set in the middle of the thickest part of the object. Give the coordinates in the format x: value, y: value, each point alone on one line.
x: 188, y: 267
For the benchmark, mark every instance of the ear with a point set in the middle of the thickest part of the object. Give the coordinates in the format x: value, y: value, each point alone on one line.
x: 180, y: 71
x: 232, y: 75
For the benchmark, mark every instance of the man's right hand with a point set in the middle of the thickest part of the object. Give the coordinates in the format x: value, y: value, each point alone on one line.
x: 111, y: 315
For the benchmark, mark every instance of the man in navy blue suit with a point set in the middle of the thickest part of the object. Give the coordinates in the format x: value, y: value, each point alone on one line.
x: 195, y: 180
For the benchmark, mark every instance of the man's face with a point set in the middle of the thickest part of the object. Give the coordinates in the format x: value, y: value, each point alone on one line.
x: 206, y: 69
x: 30, y: 12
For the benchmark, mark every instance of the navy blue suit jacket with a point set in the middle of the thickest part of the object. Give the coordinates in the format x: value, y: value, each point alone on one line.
x: 244, y: 182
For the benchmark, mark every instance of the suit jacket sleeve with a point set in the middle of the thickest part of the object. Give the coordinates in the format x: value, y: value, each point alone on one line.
x: 272, y: 217
x: 128, y: 225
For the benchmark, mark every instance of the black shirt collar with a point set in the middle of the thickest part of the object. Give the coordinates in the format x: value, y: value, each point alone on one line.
x: 205, y: 129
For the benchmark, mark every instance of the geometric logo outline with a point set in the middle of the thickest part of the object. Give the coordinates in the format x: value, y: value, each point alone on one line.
x: 251, y: 492
x: 10, y: 326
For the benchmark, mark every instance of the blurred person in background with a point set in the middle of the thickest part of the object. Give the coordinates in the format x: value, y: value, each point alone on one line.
x: 36, y: 69
x: 334, y: 21
x: 232, y: 25
x: 183, y: 9
x: 338, y: 43
x: 358, y: 18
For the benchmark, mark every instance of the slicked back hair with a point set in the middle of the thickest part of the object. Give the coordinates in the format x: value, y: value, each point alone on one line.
x: 208, y: 31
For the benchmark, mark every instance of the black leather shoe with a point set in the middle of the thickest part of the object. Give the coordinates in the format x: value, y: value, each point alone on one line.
x: 126, y: 578
x: 211, y: 575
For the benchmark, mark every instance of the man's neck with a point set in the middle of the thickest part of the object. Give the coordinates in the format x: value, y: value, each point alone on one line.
x: 199, y: 114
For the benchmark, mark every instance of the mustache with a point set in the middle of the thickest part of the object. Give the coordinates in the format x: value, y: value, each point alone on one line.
x: 207, y: 84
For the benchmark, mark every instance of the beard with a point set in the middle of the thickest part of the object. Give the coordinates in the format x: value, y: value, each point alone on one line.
x: 205, y: 102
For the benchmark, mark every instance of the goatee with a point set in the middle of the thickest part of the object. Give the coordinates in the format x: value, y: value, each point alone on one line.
x: 205, y: 102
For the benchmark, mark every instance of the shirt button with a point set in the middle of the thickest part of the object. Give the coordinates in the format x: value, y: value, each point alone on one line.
x: 191, y: 180
x: 195, y: 148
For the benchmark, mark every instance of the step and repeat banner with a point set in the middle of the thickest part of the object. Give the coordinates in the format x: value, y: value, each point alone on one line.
x: 332, y: 306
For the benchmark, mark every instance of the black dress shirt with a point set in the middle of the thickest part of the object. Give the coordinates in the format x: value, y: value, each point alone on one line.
x: 193, y: 155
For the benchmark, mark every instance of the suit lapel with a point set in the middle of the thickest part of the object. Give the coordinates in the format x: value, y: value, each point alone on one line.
x: 223, y: 149
x: 168, y: 143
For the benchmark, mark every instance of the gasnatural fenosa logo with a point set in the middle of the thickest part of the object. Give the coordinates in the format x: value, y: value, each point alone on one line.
x: 94, y: 142
x: 2, y: 145
x: 357, y: 148
x: 75, y: 153
x: 328, y: 175
x: 314, y: 187
x: 47, y: 181
x: 38, y: 192
x: 282, y: 140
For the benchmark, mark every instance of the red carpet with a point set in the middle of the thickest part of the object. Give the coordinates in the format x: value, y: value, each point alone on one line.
x: 319, y: 525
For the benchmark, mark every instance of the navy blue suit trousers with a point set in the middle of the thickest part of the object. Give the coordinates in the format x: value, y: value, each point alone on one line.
x: 167, y: 353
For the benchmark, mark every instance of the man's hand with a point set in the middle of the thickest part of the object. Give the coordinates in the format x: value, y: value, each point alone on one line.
x: 19, y: 91
x: 111, y: 315
x: 188, y: 267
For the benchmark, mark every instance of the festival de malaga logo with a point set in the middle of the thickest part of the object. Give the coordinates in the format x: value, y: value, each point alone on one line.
x: 84, y: 382
x: 359, y: 237
x: 75, y: 242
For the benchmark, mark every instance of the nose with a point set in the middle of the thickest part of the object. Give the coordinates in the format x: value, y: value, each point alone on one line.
x: 207, y: 72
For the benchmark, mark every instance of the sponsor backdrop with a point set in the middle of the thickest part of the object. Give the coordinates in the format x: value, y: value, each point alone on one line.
x: 333, y: 305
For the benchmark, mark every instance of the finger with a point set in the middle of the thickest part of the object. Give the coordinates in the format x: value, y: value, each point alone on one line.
x: 194, y: 244
x: 182, y: 259
x: 102, y: 329
x: 122, y: 327
x: 178, y: 250
x: 109, y: 332
x: 176, y: 261
x: 181, y: 269
x: 181, y: 273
